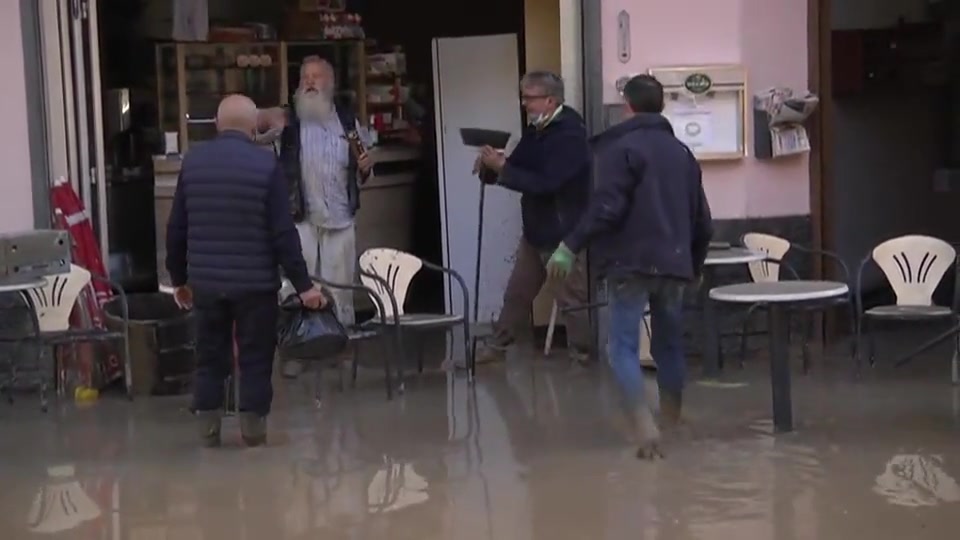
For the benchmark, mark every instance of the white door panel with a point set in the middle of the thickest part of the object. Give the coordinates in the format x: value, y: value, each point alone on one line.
x: 476, y: 84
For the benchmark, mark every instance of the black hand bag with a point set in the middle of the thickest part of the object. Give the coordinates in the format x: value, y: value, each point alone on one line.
x: 307, y: 334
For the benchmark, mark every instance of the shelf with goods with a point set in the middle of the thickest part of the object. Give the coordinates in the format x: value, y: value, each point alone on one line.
x: 192, y: 78
x: 387, y: 94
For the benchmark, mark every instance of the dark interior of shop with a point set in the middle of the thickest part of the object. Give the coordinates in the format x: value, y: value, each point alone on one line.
x: 129, y: 59
x: 894, y: 126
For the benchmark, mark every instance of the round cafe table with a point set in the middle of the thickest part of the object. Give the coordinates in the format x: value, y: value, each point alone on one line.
x: 711, y: 330
x: 779, y: 297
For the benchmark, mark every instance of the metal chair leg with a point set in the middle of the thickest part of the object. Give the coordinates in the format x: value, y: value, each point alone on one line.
x: 871, y: 344
x: 805, y: 348
x: 858, y: 345
x: 356, y: 366
x: 401, y: 352
x: 419, y: 346
x: 745, y: 329
x: 387, y: 370
x: 127, y: 365
x: 470, y: 351
x: 854, y: 343
x: 318, y: 385
x: 955, y: 363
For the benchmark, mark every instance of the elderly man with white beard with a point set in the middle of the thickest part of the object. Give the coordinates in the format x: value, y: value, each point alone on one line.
x: 324, y: 178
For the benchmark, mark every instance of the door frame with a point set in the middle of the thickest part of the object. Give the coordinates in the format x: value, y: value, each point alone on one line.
x: 592, y: 65
x: 820, y: 79
x: 67, y: 45
x: 37, y: 111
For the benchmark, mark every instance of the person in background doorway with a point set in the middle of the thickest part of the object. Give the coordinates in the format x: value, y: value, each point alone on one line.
x: 649, y: 228
x: 229, y: 230
x: 324, y: 179
x: 550, y: 167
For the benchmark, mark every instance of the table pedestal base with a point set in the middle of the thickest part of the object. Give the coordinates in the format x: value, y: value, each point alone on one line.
x: 780, y: 369
x: 711, y: 331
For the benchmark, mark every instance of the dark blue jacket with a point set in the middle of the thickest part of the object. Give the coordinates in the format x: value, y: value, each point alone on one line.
x: 230, y: 227
x: 649, y: 214
x: 290, y: 159
x: 551, y: 168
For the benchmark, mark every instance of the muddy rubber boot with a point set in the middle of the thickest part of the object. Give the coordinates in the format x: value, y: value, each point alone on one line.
x: 580, y: 357
x: 671, y: 409
x: 493, y: 350
x: 208, y: 427
x: 648, y: 434
x: 253, y: 429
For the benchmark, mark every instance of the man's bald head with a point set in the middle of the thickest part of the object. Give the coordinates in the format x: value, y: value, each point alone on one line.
x: 237, y: 112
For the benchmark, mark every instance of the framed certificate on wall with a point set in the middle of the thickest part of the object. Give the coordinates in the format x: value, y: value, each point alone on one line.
x: 706, y: 105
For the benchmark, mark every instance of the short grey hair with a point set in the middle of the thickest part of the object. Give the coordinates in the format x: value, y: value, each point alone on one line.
x: 548, y: 81
x: 315, y: 59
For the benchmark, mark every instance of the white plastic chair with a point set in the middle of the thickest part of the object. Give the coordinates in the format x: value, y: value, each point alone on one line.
x: 913, y: 265
x: 396, y: 270
x: 774, y: 247
x: 53, y: 304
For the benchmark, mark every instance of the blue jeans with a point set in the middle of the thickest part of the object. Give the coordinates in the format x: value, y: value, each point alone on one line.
x: 629, y: 297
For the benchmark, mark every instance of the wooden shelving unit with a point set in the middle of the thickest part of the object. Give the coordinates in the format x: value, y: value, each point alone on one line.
x: 192, y: 78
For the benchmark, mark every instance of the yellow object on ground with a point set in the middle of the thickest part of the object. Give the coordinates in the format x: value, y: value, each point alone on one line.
x: 85, y: 395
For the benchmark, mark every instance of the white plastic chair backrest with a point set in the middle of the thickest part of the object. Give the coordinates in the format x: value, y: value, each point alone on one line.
x: 56, y: 299
x: 773, y: 247
x: 395, y: 267
x: 914, y: 266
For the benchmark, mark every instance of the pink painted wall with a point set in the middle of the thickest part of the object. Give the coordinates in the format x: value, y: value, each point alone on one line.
x: 16, y: 204
x: 768, y: 37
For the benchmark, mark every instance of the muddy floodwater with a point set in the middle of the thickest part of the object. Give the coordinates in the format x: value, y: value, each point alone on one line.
x: 534, y: 450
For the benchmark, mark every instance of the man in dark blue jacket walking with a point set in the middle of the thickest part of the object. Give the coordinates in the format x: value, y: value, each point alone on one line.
x: 649, y: 228
x: 230, y: 231
x: 550, y: 168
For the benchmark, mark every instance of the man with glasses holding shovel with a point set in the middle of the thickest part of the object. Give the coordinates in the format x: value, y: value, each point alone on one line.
x: 550, y: 168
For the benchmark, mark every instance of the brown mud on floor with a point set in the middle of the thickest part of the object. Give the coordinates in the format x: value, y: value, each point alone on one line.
x: 532, y: 452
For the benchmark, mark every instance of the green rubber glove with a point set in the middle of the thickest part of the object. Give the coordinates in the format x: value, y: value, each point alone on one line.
x: 560, y: 263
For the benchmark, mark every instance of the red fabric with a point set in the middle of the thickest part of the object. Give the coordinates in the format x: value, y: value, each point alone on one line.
x: 71, y: 216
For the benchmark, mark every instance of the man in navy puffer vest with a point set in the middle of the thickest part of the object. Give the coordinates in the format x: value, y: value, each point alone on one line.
x: 230, y: 232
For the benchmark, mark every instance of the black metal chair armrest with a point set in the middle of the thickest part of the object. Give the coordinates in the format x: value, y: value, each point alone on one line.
x: 456, y: 276
x: 783, y: 264
x: 858, y: 284
x: 124, y: 303
x: 845, y: 270
x: 355, y: 287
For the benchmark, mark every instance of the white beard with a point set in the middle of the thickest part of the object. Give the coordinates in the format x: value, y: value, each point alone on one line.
x: 313, y: 106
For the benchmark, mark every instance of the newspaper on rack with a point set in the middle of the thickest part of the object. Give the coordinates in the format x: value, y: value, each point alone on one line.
x: 783, y: 107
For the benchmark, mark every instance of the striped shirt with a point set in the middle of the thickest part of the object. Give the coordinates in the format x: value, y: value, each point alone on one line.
x: 324, y: 158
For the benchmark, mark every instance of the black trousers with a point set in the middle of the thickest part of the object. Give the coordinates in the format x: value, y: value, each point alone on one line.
x: 255, y: 317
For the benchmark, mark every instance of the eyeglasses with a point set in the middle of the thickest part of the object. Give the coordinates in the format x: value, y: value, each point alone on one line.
x: 530, y: 97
